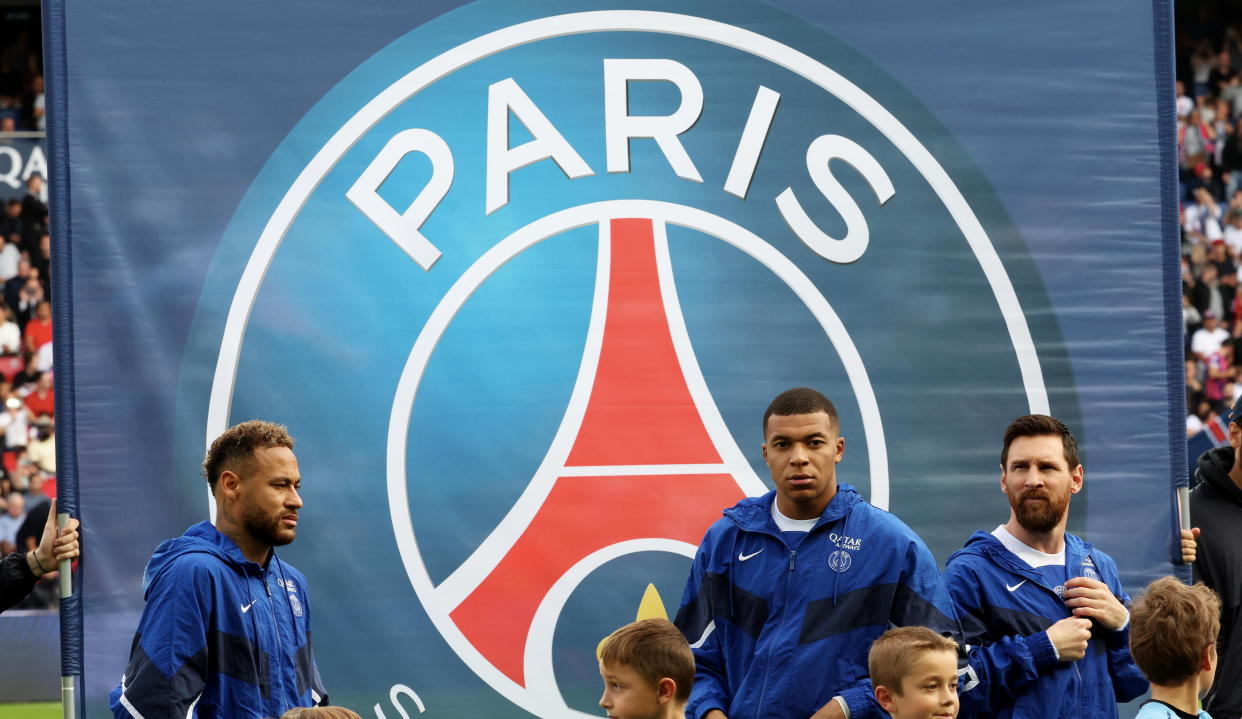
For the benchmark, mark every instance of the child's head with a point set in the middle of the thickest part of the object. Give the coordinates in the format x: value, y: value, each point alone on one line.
x: 647, y: 669
x: 1173, y: 631
x: 320, y: 713
x: 914, y: 673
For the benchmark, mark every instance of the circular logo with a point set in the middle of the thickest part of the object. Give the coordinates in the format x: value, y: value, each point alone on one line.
x: 567, y: 257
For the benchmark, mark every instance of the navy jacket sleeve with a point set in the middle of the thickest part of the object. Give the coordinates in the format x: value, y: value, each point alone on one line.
x: 695, y: 620
x: 16, y: 579
x: 1004, y: 665
x: 168, y: 662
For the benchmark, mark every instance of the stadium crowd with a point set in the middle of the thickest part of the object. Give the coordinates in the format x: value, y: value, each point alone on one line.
x: 1209, y: 156
x: 27, y: 417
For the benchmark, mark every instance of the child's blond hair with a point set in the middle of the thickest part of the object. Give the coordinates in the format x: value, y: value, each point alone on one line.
x: 655, y: 649
x: 894, y: 653
x: 1170, y: 626
x: 320, y: 713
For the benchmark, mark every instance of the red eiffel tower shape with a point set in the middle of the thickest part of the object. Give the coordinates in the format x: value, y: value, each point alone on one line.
x: 640, y: 415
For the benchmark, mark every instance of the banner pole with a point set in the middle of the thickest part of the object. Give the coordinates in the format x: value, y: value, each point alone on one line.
x: 56, y: 73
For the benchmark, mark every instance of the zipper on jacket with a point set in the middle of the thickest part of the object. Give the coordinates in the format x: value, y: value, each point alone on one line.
x: 1080, y: 692
x: 792, y: 554
x: 275, y: 675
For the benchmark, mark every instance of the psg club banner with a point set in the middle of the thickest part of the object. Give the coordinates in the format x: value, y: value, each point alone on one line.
x: 521, y: 279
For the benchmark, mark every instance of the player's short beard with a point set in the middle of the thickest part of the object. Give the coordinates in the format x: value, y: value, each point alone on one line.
x: 265, y: 528
x: 1040, y: 517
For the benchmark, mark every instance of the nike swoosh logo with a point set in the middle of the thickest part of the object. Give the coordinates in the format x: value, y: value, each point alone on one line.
x: 743, y: 557
x: 1015, y: 586
x: 248, y: 606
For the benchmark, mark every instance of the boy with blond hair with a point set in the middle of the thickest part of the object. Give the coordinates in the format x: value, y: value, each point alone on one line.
x: 648, y: 669
x: 914, y: 673
x: 1173, y: 640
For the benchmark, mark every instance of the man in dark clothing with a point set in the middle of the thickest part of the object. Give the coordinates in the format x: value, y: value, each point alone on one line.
x: 34, y: 214
x: 20, y: 571
x: 11, y: 221
x: 1216, y: 508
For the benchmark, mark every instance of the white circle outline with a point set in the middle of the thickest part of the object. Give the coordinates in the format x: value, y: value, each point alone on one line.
x: 611, y: 21
x: 537, y: 701
x: 545, y: 28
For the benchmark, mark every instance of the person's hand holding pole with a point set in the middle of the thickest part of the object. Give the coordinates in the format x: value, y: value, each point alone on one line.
x: 56, y: 545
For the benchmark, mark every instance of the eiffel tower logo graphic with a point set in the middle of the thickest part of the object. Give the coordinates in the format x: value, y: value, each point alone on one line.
x: 642, y: 461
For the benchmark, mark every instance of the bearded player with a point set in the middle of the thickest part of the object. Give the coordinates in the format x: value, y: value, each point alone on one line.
x: 226, y: 629
x: 1030, y: 582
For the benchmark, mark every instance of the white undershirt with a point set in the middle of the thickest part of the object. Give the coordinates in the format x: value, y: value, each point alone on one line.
x: 785, y: 524
x: 1033, y: 557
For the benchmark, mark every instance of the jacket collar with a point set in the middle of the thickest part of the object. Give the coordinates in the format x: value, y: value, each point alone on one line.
x: 1077, y: 552
x: 754, y: 514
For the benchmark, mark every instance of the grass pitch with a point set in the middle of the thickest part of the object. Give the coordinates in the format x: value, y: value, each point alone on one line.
x: 41, y: 710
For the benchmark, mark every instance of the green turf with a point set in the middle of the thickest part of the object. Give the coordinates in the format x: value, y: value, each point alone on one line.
x: 42, y: 710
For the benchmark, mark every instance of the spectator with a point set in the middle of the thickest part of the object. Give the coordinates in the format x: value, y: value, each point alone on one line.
x: 1223, y: 127
x: 1195, y: 422
x: 1233, y: 229
x: 38, y: 331
x: 41, y: 449
x: 1231, y: 159
x: 15, y: 420
x: 28, y: 298
x: 10, y: 334
x: 1190, y: 316
x: 11, y: 521
x: 37, y: 507
x: 1201, y: 218
x: 1208, y: 294
x: 38, y: 108
x: 42, y: 401
x: 13, y: 288
x: 1233, y: 95
x: 41, y: 253
x: 1226, y: 273
x: 34, y: 214
x: 1219, y: 374
x: 1195, y: 141
x: 11, y: 223
x: 1222, y: 74
x: 1194, y: 383
x: 24, y: 381
x: 1208, y: 339
x: 10, y: 255
x: 43, y: 358
x: 1202, y: 62
x: 1184, y: 103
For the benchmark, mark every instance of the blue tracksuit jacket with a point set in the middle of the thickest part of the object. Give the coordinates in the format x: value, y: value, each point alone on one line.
x: 220, y: 636
x: 778, y: 631
x: 1002, y: 602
